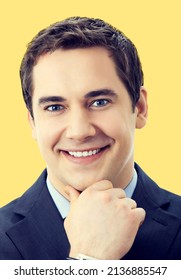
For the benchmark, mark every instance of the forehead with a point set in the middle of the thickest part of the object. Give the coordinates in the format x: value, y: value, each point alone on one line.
x: 84, y: 57
x: 75, y: 70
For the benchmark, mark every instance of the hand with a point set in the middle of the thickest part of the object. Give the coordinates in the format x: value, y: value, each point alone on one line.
x: 102, y: 222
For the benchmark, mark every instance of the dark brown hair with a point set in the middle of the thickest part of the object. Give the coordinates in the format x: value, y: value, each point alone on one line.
x: 83, y: 32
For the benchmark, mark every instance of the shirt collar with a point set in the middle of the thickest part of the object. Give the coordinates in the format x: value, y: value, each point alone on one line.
x: 129, y: 190
x: 63, y: 205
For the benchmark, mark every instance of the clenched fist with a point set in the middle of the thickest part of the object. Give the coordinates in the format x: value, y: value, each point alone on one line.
x: 102, y: 222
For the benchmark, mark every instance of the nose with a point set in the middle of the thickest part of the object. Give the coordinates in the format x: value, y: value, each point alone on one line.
x: 79, y: 125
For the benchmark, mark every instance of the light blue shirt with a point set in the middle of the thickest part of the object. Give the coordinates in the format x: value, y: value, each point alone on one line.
x: 63, y: 205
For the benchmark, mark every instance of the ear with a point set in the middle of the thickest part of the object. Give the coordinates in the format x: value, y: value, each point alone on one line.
x: 141, y: 109
x: 32, y: 125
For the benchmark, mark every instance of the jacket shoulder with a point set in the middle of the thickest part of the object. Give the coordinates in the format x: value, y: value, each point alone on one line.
x: 14, y: 211
x: 158, y: 196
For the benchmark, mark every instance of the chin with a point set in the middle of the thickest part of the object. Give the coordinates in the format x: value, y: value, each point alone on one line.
x: 87, y: 183
x: 79, y: 186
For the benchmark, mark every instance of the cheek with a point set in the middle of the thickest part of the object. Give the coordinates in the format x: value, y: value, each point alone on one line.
x: 48, y: 135
x: 109, y: 122
x: 116, y: 125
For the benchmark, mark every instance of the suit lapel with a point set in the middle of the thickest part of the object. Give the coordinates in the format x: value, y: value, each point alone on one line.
x: 156, y: 235
x: 40, y: 233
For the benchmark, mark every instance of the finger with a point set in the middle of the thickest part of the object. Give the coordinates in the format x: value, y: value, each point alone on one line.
x: 116, y: 193
x: 102, y: 185
x: 127, y: 203
x: 72, y: 193
x: 132, y: 203
x: 140, y: 213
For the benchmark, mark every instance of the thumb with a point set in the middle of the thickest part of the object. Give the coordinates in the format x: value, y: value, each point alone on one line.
x: 72, y: 193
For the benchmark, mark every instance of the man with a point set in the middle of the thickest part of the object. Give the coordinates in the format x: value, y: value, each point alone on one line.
x: 82, y: 83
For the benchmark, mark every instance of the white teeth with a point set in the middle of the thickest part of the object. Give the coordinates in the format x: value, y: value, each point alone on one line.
x: 85, y: 153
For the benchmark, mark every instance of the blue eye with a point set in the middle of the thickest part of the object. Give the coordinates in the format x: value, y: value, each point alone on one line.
x: 100, y: 103
x: 54, y: 108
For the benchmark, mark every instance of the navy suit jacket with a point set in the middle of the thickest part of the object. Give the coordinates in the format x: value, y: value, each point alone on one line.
x: 32, y: 228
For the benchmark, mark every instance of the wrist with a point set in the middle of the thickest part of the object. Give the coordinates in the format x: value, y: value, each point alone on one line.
x: 82, y: 257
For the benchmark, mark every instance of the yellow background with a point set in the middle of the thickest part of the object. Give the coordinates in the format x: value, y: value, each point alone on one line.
x: 155, y: 28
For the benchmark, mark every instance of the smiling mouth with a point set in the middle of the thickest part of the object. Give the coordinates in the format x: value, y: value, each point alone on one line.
x: 86, y: 153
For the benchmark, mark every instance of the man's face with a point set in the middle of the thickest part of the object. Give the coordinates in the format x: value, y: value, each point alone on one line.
x: 83, y: 118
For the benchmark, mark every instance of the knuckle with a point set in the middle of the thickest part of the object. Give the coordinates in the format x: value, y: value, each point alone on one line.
x: 107, y: 197
x: 122, y: 193
x: 123, y: 206
x: 138, y: 215
x: 133, y: 216
x: 142, y: 213
x: 134, y: 204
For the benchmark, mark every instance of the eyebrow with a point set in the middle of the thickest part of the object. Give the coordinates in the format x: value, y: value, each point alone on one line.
x: 47, y: 99
x: 91, y: 94
x: 99, y: 92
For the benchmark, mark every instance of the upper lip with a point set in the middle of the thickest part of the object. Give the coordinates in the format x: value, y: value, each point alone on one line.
x: 84, y: 150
